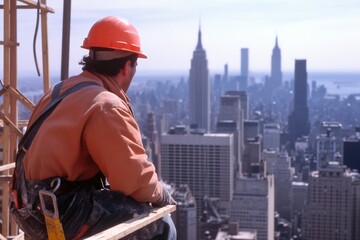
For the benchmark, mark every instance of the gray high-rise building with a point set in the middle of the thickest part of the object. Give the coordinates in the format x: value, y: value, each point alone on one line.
x: 253, y: 205
x: 244, y: 101
x: 269, y: 156
x: 202, y: 161
x: 299, y: 124
x: 283, y: 175
x: 251, y: 129
x: 199, y: 88
x: 276, y: 74
x: 325, y: 149
x: 244, y: 76
x: 244, y: 62
x: 332, y: 208
x: 185, y: 214
x: 230, y: 120
x: 271, y: 136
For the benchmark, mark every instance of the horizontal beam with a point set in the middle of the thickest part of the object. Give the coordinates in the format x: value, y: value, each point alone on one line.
x: 123, y: 229
x: 7, y: 167
x: 32, y: 5
x: 5, y: 178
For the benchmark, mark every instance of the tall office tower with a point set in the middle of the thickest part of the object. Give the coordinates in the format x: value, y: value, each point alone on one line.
x: 253, y: 205
x: 230, y: 121
x: 151, y: 133
x: 216, y: 93
x: 251, y: 129
x: 199, y: 88
x: 332, y: 207
x: 269, y: 156
x: 172, y: 109
x: 226, y: 73
x: 299, y: 124
x: 252, y: 155
x: 325, y: 149
x: 299, y: 199
x: 185, y: 215
x: 244, y: 76
x: 337, y: 131
x: 283, y: 175
x: 202, y: 161
x: 351, y: 151
x: 244, y: 100
x: 276, y: 74
x: 234, y: 232
x: 271, y: 136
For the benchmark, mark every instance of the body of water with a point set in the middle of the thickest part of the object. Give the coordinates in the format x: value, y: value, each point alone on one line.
x: 340, y: 83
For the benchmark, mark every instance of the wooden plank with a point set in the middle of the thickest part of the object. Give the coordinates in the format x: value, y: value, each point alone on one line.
x: 9, y: 16
x: 7, y: 167
x: 5, y: 178
x: 45, y: 48
x: 123, y: 229
x: 21, y: 97
x: 9, y: 123
x: 19, y: 237
x: 2, y: 237
x: 34, y: 5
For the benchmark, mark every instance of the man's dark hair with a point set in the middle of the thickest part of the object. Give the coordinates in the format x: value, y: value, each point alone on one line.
x: 110, y: 67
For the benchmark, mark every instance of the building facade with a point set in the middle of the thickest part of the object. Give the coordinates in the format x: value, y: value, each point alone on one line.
x: 271, y: 136
x: 202, y: 161
x: 283, y: 176
x: 332, y: 209
x: 253, y: 205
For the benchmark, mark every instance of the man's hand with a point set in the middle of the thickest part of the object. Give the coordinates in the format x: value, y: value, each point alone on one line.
x: 166, y: 199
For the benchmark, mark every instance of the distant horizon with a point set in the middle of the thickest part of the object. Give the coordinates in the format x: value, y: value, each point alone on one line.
x: 140, y: 72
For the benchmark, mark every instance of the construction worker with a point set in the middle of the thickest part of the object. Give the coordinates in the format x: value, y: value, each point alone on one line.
x: 91, y: 138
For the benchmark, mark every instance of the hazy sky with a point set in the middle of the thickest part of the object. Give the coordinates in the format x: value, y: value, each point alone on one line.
x: 325, y: 32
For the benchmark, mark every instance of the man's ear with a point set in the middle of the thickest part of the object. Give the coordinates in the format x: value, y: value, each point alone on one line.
x: 127, y: 67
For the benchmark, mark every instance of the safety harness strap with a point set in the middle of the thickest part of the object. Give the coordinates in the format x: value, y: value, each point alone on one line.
x: 56, y: 99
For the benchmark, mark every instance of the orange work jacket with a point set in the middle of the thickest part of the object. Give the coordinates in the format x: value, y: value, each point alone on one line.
x: 90, y: 130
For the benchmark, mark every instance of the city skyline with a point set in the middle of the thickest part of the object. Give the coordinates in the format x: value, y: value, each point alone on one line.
x: 323, y: 32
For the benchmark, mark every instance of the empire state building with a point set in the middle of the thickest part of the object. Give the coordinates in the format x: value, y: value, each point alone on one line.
x: 199, y: 88
x: 276, y: 74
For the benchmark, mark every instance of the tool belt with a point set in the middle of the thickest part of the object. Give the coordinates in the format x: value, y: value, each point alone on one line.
x: 74, y: 200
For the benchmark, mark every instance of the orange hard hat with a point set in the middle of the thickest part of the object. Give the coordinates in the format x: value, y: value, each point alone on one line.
x: 114, y: 33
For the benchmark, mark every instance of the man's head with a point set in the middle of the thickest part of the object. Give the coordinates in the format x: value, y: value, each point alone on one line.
x: 114, y: 47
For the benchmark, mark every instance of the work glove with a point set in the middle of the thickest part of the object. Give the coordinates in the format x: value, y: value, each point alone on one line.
x: 166, y: 199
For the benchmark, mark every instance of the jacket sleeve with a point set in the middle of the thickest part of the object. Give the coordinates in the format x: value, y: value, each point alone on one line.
x: 113, y: 140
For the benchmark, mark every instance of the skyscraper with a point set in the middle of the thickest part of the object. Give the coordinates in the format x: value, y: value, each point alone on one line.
x: 253, y: 205
x: 276, y: 74
x: 199, y: 88
x: 244, y: 100
x: 332, y: 207
x: 325, y: 149
x: 230, y: 120
x: 185, y: 215
x: 299, y: 124
x: 151, y: 133
x: 244, y: 69
x: 244, y: 62
x: 283, y: 176
x: 271, y: 136
x: 202, y: 161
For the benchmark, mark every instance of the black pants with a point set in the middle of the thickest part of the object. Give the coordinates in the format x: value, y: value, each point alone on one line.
x: 111, y: 208
x: 98, y: 209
